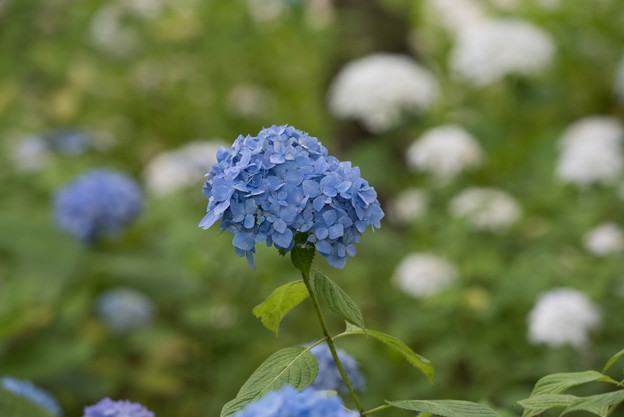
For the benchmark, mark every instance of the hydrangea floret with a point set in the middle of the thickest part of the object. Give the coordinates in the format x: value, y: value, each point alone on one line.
x: 328, y: 377
x: 122, y: 408
x: 27, y: 389
x: 271, y: 187
x: 288, y: 402
x: 98, y: 203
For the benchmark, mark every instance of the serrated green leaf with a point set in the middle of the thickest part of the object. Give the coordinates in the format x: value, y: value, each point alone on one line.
x: 296, y: 366
x: 423, y: 364
x: 272, y: 310
x: 338, y: 301
x: 17, y: 406
x: 446, y: 408
x: 558, y: 383
x: 613, y: 359
x: 540, y: 403
x: 600, y: 404
x: 302, y: 254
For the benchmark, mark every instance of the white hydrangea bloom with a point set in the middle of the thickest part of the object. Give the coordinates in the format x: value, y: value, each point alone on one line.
x: 445, y: 152
x: 591, y: 151
x: 407, y: 206
x: 486, y: 53
x: 619, y: 80
x: 249, y: 100
x: 604, y: 240
x: 30, y: 154
x: 264, y: 11
x: 423, y: 274
x: 182, y: 167
x: 456, y: 15
x: 486, y: 208
x: 124, y: 309
x: 379, y: 88
x: 108, y: 33
x: 562, y: 316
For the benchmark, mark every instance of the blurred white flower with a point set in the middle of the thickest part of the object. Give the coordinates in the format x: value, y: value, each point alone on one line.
x: 249, y: 100
x: 619, y: 80
x: 604, y: 240
x: 182, y: 167
x: 108, y: 32
x: 30, y: 154
x: 147, y: 9
x: 486, y: 53
x: 263, y: 11
x: 457, y: 15
x: 591, y: 151
x: 445, y: 152
x: 407, y: 206
x: 379, y: 88
x: 423, y: 274
x: 562, y: 316
x: 486, y: 208
x: 124, y: 309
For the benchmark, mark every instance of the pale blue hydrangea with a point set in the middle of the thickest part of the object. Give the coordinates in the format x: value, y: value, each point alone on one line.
x: 329, y: 378
x: 268, y: 188
x: 122, y: 408
x: 68, y: 141
x: 124, y: 309
x: 32, y: 392
x: 288, y: 402
x: 98, y: 203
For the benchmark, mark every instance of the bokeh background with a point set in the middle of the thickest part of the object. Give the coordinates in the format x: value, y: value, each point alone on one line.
x: 115, y: 84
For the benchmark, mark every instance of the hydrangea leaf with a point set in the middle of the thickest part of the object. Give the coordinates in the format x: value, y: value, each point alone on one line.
x: 446, y: 408
x: 540, y: 403
x: 17, y: 406
x: 560, y: 382
x: 601, y: 404
x: 612, y: 360
x: 302, y: 255
x: 338, y: 301
x: 296, y: 366
x: 423, y: 364
x: 284, y: 298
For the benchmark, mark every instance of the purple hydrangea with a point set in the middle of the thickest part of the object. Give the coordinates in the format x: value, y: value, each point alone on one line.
x: 29, y: 390
x: 329, y: 377
x: 270, y: 187
x: 98, y: 203
x: 288, y: 402
x: 122, y: 408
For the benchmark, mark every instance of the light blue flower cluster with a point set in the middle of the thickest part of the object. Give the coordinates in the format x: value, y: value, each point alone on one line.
x: 96, y: 204
x: 123, y: 408
x: 124, y: 309
x: 329, y: 377
x: 282, y: 182
x: 288, y: 402
x: 32, y: 392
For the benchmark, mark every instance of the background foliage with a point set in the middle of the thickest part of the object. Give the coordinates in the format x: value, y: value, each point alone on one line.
x: 171, y: 86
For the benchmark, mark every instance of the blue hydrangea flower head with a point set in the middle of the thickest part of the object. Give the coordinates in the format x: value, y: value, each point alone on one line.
x: 32, y: 392
x: 288, y: 402
x: 271, y: 187
x: 328, y: 378
x: 98, y: 203
x: 122, y: 408
x: 124, y: 309
x: 68, y: 141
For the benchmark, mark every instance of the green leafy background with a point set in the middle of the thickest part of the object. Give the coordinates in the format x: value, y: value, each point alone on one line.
x: 205, y: 341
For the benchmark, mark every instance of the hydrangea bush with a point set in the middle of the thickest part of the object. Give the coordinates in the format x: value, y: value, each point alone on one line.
x: 281, y: 187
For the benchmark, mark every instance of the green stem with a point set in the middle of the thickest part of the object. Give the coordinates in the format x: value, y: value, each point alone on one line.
x: 374, y: 410
x: 330, y: 343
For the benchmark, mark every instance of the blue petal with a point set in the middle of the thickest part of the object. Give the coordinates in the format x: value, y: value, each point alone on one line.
x: 244, y: 240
